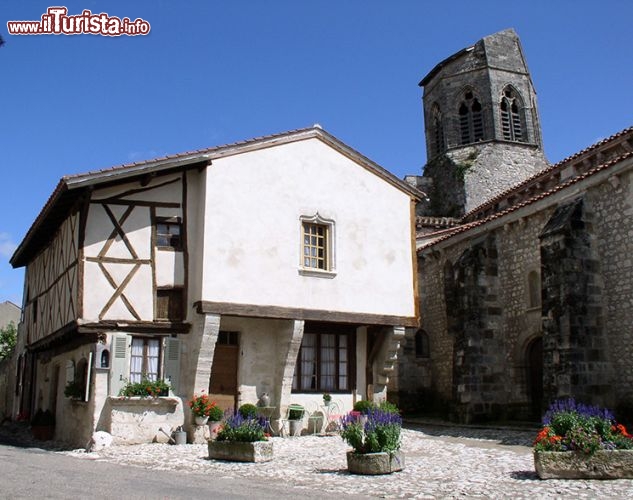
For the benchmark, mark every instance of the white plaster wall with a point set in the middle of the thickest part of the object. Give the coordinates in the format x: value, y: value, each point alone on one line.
x: 137, y: 228
x: 169, y: 268
x: 254, y: 202
x: 97, y: 292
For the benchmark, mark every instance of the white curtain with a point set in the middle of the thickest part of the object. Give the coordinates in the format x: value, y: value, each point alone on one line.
x: 144, y: 359
x: 153, y: 352
x: 328, y: 362
x: 136, y: 360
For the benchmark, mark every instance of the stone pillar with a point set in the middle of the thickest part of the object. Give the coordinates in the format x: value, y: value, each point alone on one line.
x: 197, y: 356
x: 385, y: 362
x: 574, y: 339
x: 361, y: 360
x: 479, y: 364
x: 289, y: 343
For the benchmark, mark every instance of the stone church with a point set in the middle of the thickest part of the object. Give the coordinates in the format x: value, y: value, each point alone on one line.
x: 524, y: 268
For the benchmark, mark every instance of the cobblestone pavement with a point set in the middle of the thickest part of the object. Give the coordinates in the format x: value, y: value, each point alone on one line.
x: 441, y: 462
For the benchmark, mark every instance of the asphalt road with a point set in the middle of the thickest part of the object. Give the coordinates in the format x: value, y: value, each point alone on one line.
x: 36, y: 473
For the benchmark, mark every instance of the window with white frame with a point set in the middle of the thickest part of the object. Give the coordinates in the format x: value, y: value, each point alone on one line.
x: 317, y: 248
x: 144, y: 359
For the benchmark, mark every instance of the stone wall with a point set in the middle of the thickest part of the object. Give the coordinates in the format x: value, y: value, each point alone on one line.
x: 575, y: 248
x: 574, y: 345
x: 612, y: 207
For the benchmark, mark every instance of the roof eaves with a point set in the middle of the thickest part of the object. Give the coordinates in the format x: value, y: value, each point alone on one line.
x: 534, y: 199
x: 545, y: 172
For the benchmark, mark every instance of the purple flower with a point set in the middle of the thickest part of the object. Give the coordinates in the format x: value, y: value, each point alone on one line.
x: 570, y: 405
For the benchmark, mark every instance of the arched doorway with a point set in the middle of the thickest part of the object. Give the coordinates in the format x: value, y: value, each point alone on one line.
x: 534, y: 357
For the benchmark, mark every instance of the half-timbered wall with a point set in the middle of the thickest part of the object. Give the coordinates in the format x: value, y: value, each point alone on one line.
x: 52, y: 283
x: 123, y: 266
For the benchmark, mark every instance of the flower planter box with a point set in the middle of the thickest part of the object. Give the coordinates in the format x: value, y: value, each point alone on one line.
x: 258, y: 451
x: 375, y: 463
x: 603, y: 464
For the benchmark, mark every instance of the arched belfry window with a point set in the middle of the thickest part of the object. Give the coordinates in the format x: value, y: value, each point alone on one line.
x: 471, y: 122
x: 437, y: 131
x: 512, y: 118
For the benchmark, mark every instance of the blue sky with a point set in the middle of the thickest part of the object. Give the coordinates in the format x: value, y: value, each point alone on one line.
x: 215, y: 72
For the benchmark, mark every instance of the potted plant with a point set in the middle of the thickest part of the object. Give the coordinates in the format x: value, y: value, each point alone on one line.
x: 327, y: 399
x: 203, y: 409
x: 248, y: 410
x: 242, y: 439
x: 375, y: 442
x: 582, y: 442
x: 295, y: 419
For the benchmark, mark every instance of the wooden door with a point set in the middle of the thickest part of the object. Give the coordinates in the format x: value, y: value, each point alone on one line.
x: 223, y: 380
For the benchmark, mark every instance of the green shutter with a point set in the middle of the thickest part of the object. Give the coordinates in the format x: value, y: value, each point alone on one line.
x: 120, y: 362
x: 172, y: 363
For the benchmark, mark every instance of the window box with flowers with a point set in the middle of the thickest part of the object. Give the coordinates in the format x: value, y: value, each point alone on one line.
x: 375, y: 441
x: 582, y: 442
x: 242, y: 439
x: 145, y: 388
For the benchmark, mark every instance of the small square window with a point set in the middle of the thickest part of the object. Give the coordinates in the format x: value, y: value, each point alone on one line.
x: 168, y: 233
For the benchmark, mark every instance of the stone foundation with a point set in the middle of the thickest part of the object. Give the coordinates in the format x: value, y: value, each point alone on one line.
x: 258, y: 451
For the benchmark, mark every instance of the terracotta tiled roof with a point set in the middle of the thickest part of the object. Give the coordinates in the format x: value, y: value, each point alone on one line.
x: 545, y: 173
x: 447, y: 234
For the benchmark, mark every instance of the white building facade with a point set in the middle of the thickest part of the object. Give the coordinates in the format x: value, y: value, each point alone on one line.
x: 283, y: 265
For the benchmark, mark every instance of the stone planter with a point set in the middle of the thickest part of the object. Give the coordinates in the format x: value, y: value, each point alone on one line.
x: 603, y: 464
x: 258, y: 451
x: 375, y: 463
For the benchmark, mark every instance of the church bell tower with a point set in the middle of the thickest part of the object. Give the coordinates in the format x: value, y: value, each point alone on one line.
x: 481, y: 125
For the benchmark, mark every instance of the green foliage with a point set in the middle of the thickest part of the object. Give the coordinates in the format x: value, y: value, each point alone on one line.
x: 570, y: 426
x: 248, y: 410
x: 296, y: 412
x: 145, y: 387
x: 242, y: 429
x: 8, y: 339
x: 327, y: 398
x: 377, y: 431
x: 389, y: 407
x: 216, y: 413
x: 364, y: 406
x: 74, y: 390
